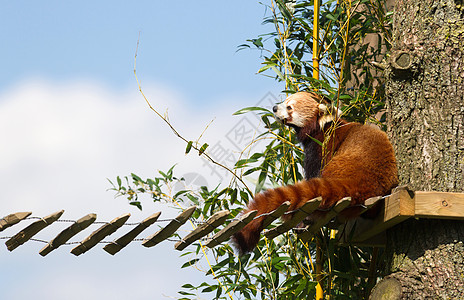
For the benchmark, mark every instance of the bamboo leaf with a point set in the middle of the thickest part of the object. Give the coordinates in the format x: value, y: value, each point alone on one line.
x: 189, y: 147
x: 203, y: 148
x: 248, y: 109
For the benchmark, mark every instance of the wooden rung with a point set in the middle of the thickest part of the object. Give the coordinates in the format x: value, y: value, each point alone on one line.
x: 99, y: 234
x: 31, y: 230
x: 230, y: 229
x: 167, y: 231
x: 297, y: 217
x: 354, y: 211
x: 336, y: 209
x: 372, y: 201
x: 13, y: 219
x: 369, y: 203
x: 68, y: 233
x: 115, y: 246
x: 398, y: 207
x: 209, y: 225
x: 400, y: 187
x: 277, y: 213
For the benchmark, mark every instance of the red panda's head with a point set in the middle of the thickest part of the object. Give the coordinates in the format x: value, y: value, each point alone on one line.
x: 304, y: 109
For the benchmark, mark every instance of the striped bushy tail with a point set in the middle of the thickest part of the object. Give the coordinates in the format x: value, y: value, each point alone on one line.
x: 330, y: 189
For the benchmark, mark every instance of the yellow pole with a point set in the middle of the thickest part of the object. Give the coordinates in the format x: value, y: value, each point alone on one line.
x: 316, y: 40
x: 319, y: 291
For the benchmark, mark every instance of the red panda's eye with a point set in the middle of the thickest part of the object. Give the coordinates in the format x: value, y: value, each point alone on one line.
x: 289, y: 107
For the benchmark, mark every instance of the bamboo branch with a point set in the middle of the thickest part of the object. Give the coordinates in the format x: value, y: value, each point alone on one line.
x: 166, y: 120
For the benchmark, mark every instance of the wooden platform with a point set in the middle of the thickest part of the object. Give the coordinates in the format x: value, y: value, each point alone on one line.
x: 402, y: 204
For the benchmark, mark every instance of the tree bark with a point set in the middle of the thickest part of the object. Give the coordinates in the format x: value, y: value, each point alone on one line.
x: 425, y: 94
x: 425, y: 121
x: 427, y: 261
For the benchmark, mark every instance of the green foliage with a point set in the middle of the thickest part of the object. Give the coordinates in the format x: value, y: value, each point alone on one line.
x: 283, y: 268
x: 348, y: 78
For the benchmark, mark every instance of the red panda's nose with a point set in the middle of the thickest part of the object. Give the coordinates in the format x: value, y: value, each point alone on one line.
x: 274, y: 109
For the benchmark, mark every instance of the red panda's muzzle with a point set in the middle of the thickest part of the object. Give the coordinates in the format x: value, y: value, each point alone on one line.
x: 281, y: 113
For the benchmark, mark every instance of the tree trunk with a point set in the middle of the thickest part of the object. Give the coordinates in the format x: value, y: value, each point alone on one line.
x: 427, y: 261
x: 425, y: 120
x: 425, y: 92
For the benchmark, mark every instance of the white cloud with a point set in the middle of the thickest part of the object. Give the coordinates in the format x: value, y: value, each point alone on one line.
x: 60, y: 141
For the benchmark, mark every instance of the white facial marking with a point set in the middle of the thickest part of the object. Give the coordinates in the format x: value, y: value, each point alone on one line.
x: 281, y: 112
x: 297, y: 120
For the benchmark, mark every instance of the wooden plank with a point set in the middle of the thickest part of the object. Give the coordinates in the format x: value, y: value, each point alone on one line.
x: 209, y: 225
x: 297, y: 217
x: 310, y: 230
x: 399, y: 188
x: 230, y: 229
x: 99, y: 234
x: 68, y: 233
x: 369, y: 203
x: 115, y: 246
x: 355, y: 211
x: 275, y: 214
x: 401, y: 205
x: 13, y: 219
x: 31, y: 230
x: 439, y: 205
x: 398, y: 207
x: 167, y: 231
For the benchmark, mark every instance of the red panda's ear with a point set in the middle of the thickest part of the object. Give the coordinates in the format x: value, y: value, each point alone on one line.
x: 322, y: 109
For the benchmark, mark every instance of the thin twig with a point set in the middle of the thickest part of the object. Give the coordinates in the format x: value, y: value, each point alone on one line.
x: 165, y: 119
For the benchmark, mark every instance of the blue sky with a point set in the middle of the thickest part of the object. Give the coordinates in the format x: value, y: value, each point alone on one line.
x: 71, y: 117
x: 187, y: 45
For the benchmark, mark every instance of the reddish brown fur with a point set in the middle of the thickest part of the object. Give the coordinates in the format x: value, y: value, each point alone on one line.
x: 360, y: 164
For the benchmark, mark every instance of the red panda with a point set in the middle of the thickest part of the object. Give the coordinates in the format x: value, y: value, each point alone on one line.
x: 356, y: 161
